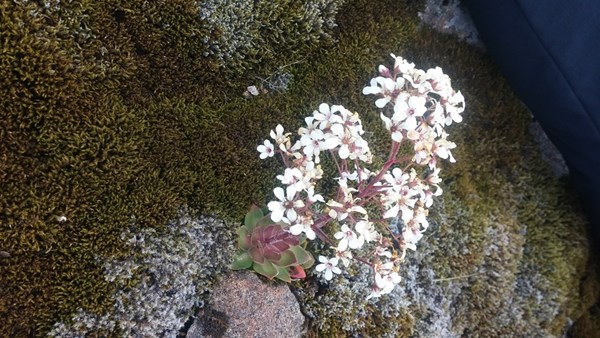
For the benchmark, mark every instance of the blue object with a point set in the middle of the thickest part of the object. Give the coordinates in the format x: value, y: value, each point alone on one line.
x: 549, y: 51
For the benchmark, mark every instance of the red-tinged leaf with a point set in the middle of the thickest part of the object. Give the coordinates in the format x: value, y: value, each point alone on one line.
x: 266, y: 269
x: 297, y: 272
x: 269, y: 232
x: 292, y: 240
x: 257, y: 255
x: 280, y: 246
x: 252, y: 217
x: 271, y: 253
x: 273, y: 239
x: 242, y: 261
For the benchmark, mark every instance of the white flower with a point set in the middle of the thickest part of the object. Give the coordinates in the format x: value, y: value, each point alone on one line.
x: 420, y: 105
x: 455, y: 106
x: 313, y: 141
x: 348, y: 238
x: 392, y: 212
x: 286, y: 205
x: 312, y: 197
x: 344, y: 256
x: 385, y: 279
x: 386, y: 282
x: 293, y: 178
x: 280, y: 138
x: 304, y: 225
x: 381, y: 251
x: 408, y: 111
x: 440, y: 82
x: 411, y: 237
x: 397, y: 179
x: 367, y: 230
x: 327, y: 116
x: 383, y: 87
x: 375, y: 292
x: 418, y: 80
x: 394, y: 126
x: 328, y: 267
x: 442, y: 149
x: 402, y: 66
x: 384, y: 71
x: 266, y: 150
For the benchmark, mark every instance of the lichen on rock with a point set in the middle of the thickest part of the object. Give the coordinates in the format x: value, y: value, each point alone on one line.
x: 159, y: 286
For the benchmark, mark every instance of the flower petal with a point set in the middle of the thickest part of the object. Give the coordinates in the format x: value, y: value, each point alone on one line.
x: 392, y: 212
x: 278, y: 192
x: 328, y: 274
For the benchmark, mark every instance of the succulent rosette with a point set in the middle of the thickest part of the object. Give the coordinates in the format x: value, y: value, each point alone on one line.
x: 267, y: 248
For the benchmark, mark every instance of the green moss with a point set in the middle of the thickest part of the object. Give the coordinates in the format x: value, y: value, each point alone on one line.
x: 123, y: 111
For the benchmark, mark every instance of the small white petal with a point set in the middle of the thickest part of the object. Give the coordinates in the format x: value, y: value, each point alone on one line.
x: 397, y: 136
x: 331, y: 143
x: 291, y: 215
x: 290, y: 193
x: 344, y: 152
x: 277, y: 215
x: 392, y: 212
x: 278, y: 192
x: 296, y: 229
x: 380, y: 103
x: 343, y: 244
x: 337, y: 129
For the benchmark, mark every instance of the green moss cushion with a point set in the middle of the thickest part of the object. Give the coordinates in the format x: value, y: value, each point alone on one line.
x: 119, y: 113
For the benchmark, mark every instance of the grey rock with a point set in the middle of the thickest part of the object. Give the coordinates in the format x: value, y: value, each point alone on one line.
x: 448, y: 16
x: 250, y: 308
x: 549, y: 152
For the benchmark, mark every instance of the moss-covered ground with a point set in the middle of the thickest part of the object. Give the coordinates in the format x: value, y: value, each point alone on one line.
x: 114, y: 112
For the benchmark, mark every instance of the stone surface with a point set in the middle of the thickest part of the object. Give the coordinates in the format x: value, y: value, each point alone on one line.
x: 448, y: 16
x: 549, y: 152
x: 250, y: 308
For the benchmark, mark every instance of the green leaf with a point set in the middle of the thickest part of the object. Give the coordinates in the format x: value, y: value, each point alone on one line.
x: 243, y: 238
x: 309, y: 262
x: 303, y: 257
x: 287, y: 258
x: 242, y: 261
x: 283, y: 274
x: 252, y: 217
x: 264, y: 221
x: 266, y: 269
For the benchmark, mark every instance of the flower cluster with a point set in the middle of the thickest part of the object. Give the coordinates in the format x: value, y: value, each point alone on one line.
x: 417, y: 106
